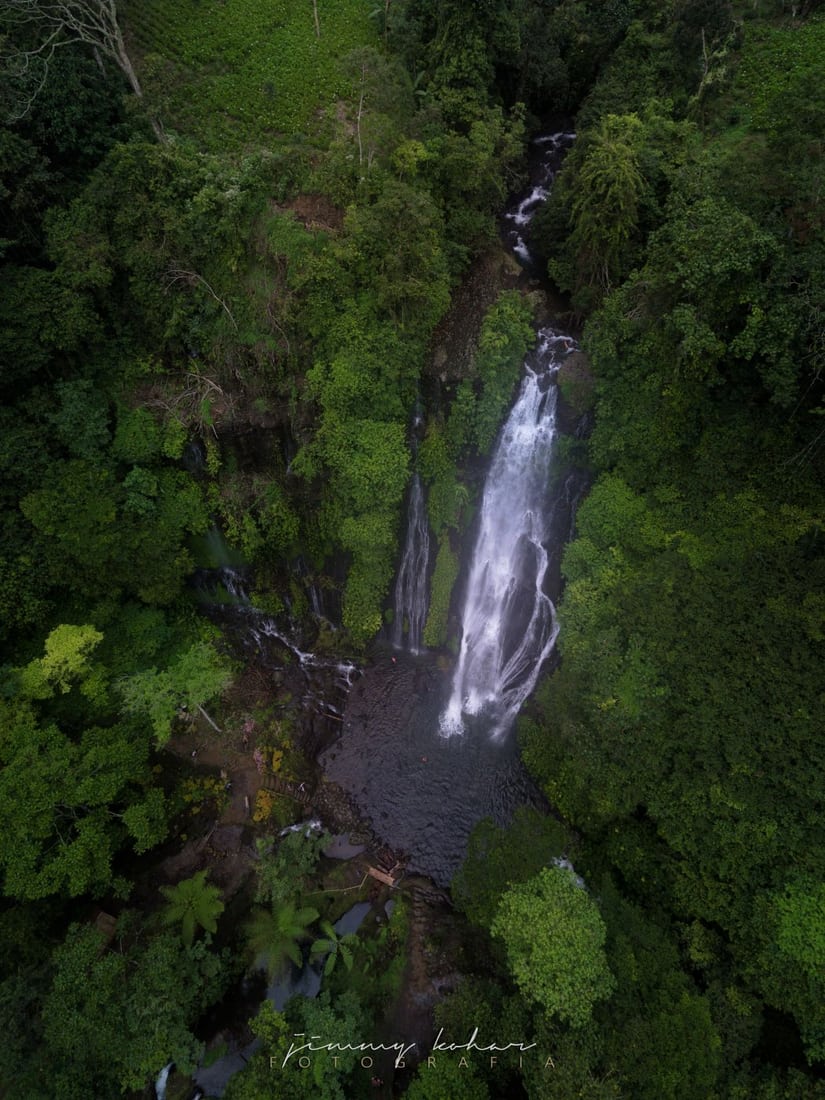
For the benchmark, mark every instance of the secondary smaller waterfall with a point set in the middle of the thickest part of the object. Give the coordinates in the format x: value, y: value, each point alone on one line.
x: 509, y: 622
x: 411, y: 587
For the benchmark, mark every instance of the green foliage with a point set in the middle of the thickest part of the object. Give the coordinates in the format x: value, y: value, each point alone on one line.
x: 447, y: 1078
x: 192, y: 903
x: 608, y: 197
x: 778, y: 75
x: 605, y: 211
x: 395, y: 244
x: 708, y: 496
x: 554, y: 937
x: 283, y: 873
x: 197, y: 676
x: 576, y: 383
x: 75, y: 783
x: 380, y: 960
x: 506, y: 334
x: 258, y: 67
x: 130, y: 530
x: 445, y: 575
x: 109, y: 1020
x: 459, y: 430
x: 55, y: 839
x: 257, y: 1078
x: 257, y: 517
x: 343, y: 1020
x: 446, y: 498
x: 789, y: 968
x: 499, y: 858
x: 81, y: 419
x: 138, y: 437
x: 363, y: 380
x: 274, y: 935
x: 66, y: 660
x: 659, y: 1034
x: 801, y: 915
x: 367, y: 371
x: 40, y: 315
x: 474, y: 166
x: 333, y: 947
x: 369, y: 463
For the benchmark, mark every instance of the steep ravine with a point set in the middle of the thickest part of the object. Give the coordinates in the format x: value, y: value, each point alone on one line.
x: 423, y: 791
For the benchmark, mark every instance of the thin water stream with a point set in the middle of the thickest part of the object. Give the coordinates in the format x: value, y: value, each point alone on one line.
x: 412, y: 585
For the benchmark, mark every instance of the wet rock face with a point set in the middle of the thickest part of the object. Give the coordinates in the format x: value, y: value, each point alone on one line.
x: 455, y: 340
x: 577, y: 386
x: 341, y: 815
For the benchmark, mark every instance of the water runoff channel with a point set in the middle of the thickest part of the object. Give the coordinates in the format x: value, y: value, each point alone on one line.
x: 426, y: 755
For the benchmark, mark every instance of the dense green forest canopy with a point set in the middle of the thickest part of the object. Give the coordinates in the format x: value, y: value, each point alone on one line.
x: 260, y: 234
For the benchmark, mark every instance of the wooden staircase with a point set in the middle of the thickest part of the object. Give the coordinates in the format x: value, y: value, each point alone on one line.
x: 284, y: 786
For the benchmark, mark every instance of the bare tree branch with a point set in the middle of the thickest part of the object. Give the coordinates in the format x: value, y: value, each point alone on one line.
x: 61, y: 22
x: 177, y: 274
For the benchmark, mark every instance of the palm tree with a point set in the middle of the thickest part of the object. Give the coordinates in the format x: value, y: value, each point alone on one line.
x: 334, y: 947
x: 275, y: 934
x: 192, y: 903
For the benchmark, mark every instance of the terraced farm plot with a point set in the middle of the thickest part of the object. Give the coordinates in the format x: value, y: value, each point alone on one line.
x: 782, y: 66
x: 234, y: 73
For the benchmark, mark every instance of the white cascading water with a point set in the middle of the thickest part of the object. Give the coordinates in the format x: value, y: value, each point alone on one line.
x: 412, y: 587
x: 522, y: 214
x: 509, y: 623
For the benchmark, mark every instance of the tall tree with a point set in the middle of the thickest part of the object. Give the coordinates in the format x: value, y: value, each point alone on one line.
x: 74, y: 784
x: 605, y: 210
x: 113, y: 1018
x: 554, y: 936
x: 198, y: 675
x: 334, y: 946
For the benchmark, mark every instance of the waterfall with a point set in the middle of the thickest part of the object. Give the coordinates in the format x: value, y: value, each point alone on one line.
x: 160, y: 1083
x: 509, y: 622
x: 411, y: 587
x: 320, y: 673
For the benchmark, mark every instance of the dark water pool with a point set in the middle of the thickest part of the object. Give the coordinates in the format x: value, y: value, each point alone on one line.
x: 422, y: 792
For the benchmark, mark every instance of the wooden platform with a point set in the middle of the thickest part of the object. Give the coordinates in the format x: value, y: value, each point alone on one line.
x: 382, y: 876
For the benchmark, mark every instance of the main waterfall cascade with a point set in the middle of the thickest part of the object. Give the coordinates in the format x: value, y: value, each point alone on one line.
x: 509, y: 623
x: 411, y: 587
